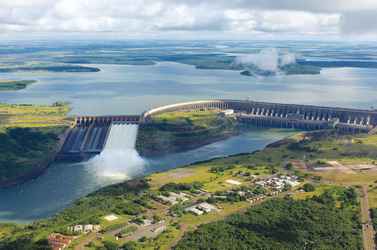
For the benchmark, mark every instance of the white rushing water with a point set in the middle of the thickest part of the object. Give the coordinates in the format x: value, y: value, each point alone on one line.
x: 119, y: 158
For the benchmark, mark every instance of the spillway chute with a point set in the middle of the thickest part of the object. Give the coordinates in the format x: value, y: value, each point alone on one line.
x: 119, y: 158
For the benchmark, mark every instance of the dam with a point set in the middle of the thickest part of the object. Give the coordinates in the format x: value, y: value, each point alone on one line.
x: 88, y: 135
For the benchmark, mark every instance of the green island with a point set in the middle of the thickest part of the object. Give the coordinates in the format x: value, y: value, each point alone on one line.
x: 212, y: 61
x: 6, y: 85
x: 29, y: 139
x: 49, y: 68
x: 180, y: 131
x: 309, y: 190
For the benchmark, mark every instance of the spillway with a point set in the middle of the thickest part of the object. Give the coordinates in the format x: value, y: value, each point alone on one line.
x: 89, y: 134
x: 121, y: 136
x: 119, y: 158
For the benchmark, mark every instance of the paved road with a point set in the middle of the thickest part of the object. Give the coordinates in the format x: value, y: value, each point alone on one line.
x: 368, y: 231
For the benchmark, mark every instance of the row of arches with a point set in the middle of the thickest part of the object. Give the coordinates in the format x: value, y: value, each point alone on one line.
x: 306, y: 112
x: 85, y: 121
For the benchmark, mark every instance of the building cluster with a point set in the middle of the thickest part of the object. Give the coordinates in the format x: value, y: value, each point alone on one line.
x: 201, y: 208
x: 59, y: 241
x: 84, y: 228
x: 173, y: 198
x: 279, y: 183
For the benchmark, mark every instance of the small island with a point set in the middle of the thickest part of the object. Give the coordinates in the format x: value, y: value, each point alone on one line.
x: 49, y: 68
x: 9, y: 85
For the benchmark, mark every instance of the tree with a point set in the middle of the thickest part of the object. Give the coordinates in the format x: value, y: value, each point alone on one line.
x: 308, y: 187
x: 129, y: 245
x: 110, y: 245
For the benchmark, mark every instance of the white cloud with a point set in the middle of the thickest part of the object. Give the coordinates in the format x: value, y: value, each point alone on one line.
x: 267, y: 59
x: 299, y: 17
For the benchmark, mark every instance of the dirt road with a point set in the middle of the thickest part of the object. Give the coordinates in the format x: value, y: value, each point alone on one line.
x: 367, y: 226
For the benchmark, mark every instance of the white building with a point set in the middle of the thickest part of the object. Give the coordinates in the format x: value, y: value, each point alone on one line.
x: 84, y: 228
x: 173, y: 198
x: 233, y: 182
x: 194, y: 210
x: 88, y: 228
x: 77, y: 228
x: 206, y: 207
x: 201, y: 208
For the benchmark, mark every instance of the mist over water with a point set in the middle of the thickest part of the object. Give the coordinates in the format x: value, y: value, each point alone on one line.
x: 269, y: 59
x: 119, y: 158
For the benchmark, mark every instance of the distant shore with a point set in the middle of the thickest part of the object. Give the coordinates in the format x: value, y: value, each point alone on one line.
x: 7, y: 85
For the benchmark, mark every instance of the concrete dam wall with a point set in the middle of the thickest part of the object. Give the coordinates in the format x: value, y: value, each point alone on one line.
x: 266, y: 114
x: 89, y: 134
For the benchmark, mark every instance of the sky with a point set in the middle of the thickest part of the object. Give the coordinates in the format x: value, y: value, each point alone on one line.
x: 191, y: 19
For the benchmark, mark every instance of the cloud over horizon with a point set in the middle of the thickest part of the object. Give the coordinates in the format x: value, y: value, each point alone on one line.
x: 246, y: 18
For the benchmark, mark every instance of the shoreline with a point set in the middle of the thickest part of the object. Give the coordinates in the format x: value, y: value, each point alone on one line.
x: 190, y: 146
x: 149, y: 174
x: 46, y: 164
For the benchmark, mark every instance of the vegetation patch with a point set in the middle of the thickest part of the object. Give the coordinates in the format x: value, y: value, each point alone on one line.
x: 315, y: 223
x: 6, y: 85
x: 179, y: 131
x: 29, y: 139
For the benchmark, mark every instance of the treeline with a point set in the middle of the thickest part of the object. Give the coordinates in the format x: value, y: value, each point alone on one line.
x: 19, y: 147
x: 317, y: 223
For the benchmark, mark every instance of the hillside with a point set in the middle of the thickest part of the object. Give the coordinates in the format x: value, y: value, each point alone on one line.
x: 29, y: 139
x: 180, y: 131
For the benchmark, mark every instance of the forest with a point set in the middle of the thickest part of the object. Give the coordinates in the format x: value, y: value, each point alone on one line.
x: 328, y: 221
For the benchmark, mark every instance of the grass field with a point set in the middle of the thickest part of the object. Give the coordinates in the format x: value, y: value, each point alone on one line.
x: 29, y: 116
x: 201, y: 119
x: 211, y: 181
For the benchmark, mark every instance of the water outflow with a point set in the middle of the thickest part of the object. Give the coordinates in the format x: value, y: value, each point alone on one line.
x: 119, y: 158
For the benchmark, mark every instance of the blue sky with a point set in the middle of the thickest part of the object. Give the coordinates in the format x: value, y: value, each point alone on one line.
x: 188, y: 19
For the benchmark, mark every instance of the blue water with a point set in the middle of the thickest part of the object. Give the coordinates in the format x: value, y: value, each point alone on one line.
x: 63, y: 183
x: 125, y: 89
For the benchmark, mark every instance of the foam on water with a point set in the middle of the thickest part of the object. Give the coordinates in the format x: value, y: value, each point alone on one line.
x: 119, y: 158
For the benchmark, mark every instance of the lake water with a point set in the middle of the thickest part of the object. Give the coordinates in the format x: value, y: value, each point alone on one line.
x: 121, y: 89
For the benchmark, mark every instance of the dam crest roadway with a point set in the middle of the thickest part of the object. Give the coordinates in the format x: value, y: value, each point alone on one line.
x: 88, y: 134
